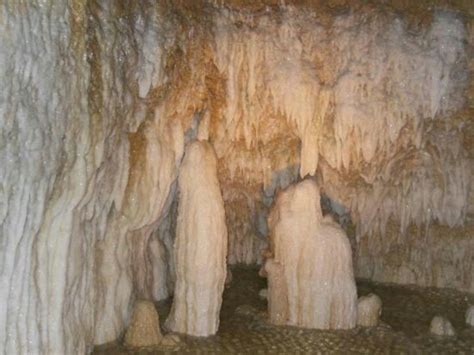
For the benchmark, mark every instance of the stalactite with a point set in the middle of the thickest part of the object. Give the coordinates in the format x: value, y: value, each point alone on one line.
x: 367, y: 101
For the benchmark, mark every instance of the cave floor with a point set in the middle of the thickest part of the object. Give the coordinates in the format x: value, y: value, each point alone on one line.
x: 406, y: 316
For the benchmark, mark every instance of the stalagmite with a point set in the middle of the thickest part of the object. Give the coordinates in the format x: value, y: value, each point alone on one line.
x: 144, y: 327
x: 310, y: 277
x: 201, y: 245
x: 369, y: 309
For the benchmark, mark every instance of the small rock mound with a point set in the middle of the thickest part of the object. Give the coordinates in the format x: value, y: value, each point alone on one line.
x: 470, y: 316
x: 441, y: 326
x: 369, y: 309
x: 144, y: 327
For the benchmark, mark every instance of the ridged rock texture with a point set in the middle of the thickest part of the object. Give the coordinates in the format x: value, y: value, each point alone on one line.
x: 88, y: 161
x: 100, y: 98
x: 310, y: 278
x: 201, y: 245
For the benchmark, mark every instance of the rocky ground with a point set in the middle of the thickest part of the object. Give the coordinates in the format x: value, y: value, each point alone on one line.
x: 406, y: 316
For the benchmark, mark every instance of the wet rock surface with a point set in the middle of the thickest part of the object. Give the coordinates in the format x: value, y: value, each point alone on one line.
x: 404, y: 324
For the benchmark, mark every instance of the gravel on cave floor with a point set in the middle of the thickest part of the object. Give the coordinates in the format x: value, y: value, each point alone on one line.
x: 406, y: 315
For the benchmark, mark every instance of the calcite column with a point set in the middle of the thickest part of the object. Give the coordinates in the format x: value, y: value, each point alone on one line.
x: 201, y: 245
x: 310, y: 277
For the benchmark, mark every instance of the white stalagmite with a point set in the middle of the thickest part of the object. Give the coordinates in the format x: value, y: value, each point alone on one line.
x: 310, y: 277
x: 201, y: 245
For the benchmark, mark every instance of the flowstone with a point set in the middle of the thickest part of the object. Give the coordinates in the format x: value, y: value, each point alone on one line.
x: 310, y: 276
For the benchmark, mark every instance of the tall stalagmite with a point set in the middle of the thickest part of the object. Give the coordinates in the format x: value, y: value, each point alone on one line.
x: 201, y: 245
x: 310, y: 277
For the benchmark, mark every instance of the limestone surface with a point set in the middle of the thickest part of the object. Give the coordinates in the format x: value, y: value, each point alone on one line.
x: 144, y: 327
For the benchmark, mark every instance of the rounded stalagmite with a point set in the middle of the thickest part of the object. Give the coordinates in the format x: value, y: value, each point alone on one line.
x: 369, y: 309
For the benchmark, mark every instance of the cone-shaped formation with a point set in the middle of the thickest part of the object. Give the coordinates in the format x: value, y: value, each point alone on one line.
x: 310, y: 277
x: 144, y: 327
x: 201, y: 245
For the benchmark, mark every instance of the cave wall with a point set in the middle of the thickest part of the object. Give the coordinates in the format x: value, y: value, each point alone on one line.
x: 435, y: 255
x: 87, y: 165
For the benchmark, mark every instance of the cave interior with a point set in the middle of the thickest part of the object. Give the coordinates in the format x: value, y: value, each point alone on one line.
x: 260, y: 172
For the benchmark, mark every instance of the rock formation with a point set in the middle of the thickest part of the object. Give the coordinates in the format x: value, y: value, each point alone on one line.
x: 369, y: 309
x: 201, y: 245
x: 310, y: 278
x: 441, y: 326
x: 144, y: 327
